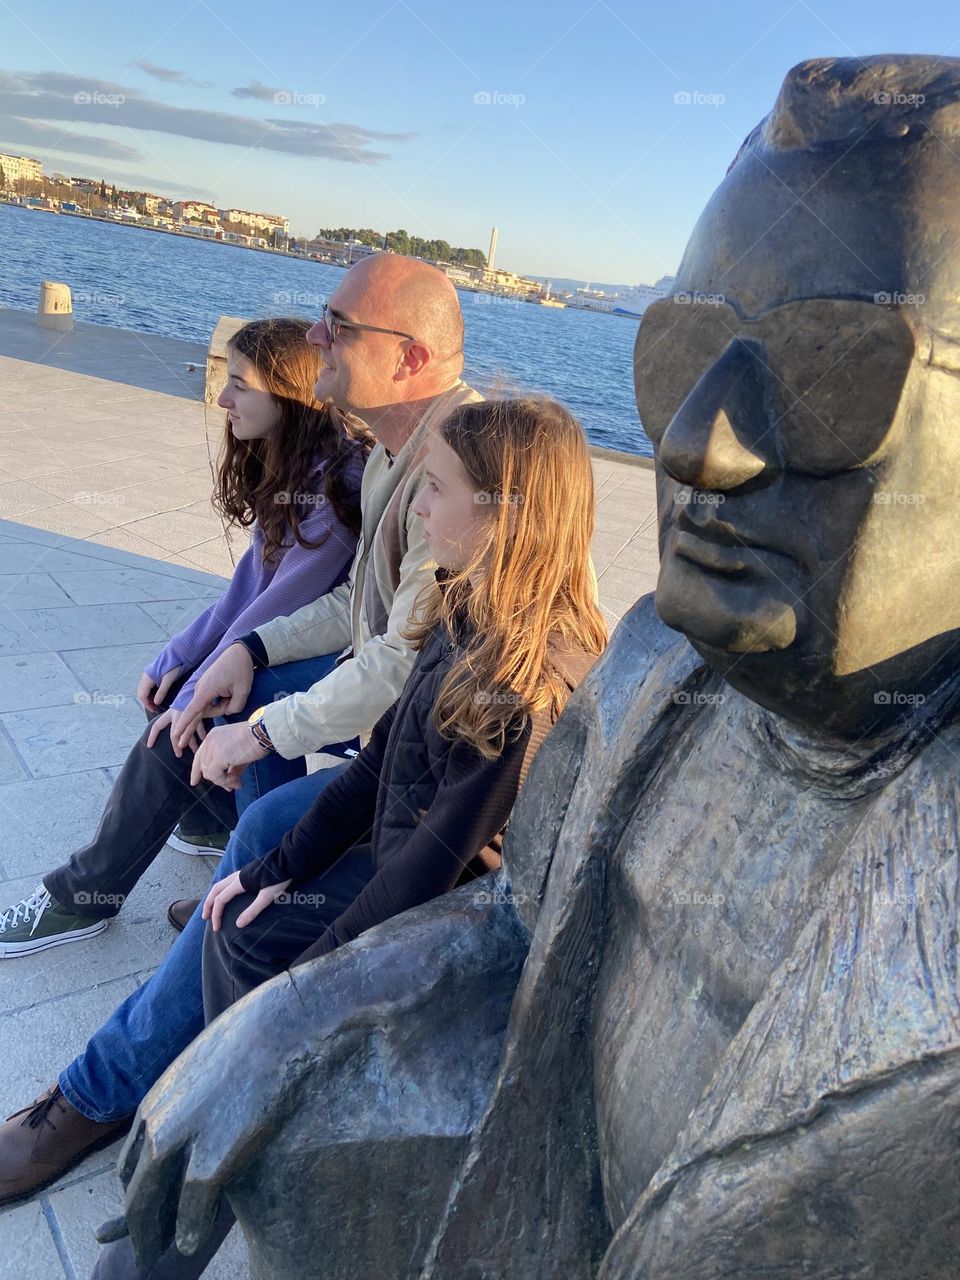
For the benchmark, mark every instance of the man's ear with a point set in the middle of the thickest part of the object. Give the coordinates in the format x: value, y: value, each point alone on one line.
x: 415, y: 360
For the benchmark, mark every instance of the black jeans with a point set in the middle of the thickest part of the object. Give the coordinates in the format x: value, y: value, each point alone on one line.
x: 149, y: 798
x: 153, y: 794
x: 235, y: 961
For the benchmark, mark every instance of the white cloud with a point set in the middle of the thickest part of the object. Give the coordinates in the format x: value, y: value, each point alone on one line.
x: 57, y: 96
x: 168, y: 76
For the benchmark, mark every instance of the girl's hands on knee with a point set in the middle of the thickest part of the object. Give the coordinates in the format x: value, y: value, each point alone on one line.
x: 172, y: 718
x: 151, y: 695
x: 224, y: 890
x: 158, y: 724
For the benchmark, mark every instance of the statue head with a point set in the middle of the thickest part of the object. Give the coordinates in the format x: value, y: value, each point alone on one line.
x: 802, y: 392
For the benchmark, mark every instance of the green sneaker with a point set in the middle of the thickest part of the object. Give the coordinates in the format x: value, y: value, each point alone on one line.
x: 39, y: 922
x: 215, y: 844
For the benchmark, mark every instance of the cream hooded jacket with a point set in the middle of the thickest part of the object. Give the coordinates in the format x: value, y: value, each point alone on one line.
x: 366, y: 615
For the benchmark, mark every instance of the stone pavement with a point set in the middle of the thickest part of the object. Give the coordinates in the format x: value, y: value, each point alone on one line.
x: 78, y: 622
x: 103, y: 436
x: 108, y: 545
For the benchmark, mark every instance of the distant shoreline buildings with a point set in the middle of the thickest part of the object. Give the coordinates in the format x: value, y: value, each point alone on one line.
x: 23, y: 182
x: 21, y: 169
x: 79, y: 195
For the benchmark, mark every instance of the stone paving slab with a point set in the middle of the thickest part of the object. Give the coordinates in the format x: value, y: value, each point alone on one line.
x: 120, y: 586
x: 29, y: 555
x: 81, y: 734
x: 28, y: 1245
x: 35, y: 680
x: 11, y: 770
x: 173, y: 615
x: 113, y: 669
x: 84, y: 625
x: 133, y: 362
x: 33, y: 590
x: 42, y: 819
x: 105, y: 429
x: 103, y: 455
x: 39, y: 1040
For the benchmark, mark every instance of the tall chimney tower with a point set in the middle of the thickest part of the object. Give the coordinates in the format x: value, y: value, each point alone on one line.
x: 493, y: 248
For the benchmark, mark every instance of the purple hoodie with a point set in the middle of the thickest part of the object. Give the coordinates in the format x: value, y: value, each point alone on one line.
x: 260, y: 592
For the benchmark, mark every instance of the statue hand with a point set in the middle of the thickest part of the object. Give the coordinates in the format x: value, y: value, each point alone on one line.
x: 221, y: 1103
x: 194, y: 1132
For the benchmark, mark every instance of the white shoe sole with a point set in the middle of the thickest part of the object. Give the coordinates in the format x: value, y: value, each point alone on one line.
x: 13, y: 950
x: 197, y: 850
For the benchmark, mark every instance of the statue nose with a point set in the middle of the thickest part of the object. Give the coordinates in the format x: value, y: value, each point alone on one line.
x: 722, y: 435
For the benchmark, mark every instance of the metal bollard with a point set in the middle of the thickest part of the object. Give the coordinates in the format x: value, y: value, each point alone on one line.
x: 55, y: 309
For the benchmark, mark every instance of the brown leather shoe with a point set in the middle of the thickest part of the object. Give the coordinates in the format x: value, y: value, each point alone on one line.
x: 179, y: 912
x: 44, y: 1140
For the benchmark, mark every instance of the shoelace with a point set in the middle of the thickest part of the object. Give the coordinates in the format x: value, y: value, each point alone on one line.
x: 40, y: 1114
x: 35, y: 904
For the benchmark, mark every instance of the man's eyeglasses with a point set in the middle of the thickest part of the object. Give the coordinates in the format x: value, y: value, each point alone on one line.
x: 333, y: 323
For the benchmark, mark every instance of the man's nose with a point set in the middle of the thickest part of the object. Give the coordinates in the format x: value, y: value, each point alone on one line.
x: 723, y: 436
x: 317, y: 335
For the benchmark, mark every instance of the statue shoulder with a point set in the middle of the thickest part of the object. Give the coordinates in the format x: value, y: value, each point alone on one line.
x: 628, y: 690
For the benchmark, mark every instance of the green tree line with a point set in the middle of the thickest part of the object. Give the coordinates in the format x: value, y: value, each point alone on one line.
x: 402, y: 242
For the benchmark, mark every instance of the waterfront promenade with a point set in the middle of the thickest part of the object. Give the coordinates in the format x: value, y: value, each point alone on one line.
x: 107, y: 545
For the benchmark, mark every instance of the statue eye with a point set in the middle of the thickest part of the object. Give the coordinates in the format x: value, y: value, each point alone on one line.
x: 836, y: 369
x: 676, y: 345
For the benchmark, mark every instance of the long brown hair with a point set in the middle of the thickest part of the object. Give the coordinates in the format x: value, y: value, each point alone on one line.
x: 530, y: 584
x: 272, y: 480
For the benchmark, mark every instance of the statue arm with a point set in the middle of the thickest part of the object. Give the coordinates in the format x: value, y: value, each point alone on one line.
x: 436, y: 983
x: 870, y: 1187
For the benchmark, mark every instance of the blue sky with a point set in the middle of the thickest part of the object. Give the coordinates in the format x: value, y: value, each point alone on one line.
x: 580, y: 155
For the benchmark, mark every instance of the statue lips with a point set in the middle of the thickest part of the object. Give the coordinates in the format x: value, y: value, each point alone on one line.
x: 714, y: 544
x: 710, y: 555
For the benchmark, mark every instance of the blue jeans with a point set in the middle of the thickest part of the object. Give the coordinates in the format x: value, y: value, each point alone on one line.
x: 133, y: 1048
x: 270, y: 684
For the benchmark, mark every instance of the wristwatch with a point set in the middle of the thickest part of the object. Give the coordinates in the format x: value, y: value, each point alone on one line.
x: 259, y: 729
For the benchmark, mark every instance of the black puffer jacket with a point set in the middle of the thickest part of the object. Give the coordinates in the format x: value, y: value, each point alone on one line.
x: 428, y: 808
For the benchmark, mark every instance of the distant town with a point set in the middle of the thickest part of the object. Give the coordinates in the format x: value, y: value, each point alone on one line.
x: 24, y: 183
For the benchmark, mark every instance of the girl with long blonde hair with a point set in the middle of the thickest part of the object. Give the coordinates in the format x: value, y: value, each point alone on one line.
x: 511, y: 629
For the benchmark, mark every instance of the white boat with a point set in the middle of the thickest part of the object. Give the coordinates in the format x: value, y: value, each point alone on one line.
x: 588, y: 299
x: 627, y: 302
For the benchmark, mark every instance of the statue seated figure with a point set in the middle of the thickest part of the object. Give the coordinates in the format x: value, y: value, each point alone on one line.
x: 704, y: 1024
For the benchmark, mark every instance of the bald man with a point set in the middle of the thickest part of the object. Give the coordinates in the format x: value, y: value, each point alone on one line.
x: 391, y: 339
x: 392, y: 342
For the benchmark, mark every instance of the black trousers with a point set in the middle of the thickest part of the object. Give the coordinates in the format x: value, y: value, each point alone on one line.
x: 235, y: 960
x: 153, y: 794
x: 149, y: 798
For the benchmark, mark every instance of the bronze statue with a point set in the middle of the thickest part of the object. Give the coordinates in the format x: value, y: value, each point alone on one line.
x: 705, y: 1023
